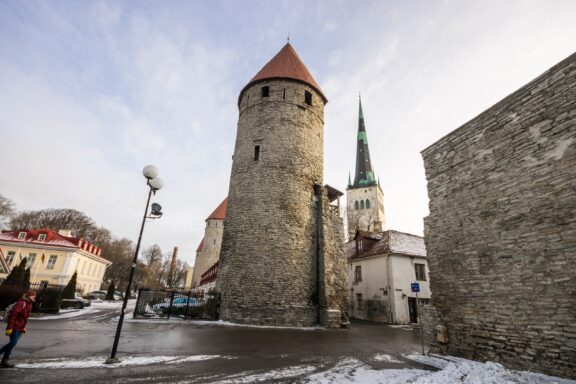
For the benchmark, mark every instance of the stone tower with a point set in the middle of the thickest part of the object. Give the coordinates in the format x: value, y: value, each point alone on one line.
x: 365, y: 199
x: 281, y: 243
x: 208, y: 251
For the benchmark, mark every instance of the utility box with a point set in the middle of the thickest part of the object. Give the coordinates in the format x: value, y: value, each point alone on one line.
x: 441, y: 334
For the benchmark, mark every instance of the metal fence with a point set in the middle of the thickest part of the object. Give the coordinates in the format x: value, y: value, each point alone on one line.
x: 162, y: 303
x: 47, y: 296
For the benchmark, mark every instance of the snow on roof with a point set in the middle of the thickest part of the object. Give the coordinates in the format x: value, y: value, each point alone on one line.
x: 387, y: 242
x: 407, y: 244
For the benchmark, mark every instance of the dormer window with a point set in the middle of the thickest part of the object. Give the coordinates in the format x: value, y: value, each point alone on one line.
x: 42, y: 237
x: 307, y: 97
x: 22, y: 235
x: 265, y: 91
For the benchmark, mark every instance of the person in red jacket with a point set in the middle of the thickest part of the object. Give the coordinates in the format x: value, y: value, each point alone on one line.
x: 17, y: 321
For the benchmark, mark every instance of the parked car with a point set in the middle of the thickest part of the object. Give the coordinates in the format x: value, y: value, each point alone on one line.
x: 178, y: 302
x: 97, y: 295
x: 78, y: 302
x: 102, y: 295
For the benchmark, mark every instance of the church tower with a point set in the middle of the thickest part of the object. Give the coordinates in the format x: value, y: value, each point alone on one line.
x: 364, y: 197
x: 272, y: 266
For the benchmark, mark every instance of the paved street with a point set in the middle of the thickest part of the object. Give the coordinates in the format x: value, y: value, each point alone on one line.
x: 216, y: 353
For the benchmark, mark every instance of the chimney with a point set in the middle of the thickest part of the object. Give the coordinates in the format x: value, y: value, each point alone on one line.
x: 172, y: 267
x: 65, y: 232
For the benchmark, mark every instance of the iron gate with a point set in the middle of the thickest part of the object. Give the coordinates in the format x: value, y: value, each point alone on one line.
x: 163, y: 303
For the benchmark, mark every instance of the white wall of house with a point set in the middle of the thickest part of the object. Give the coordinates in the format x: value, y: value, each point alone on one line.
x: 385, y: 286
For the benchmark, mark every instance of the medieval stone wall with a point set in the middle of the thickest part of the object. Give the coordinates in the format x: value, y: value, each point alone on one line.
x: 268, y: 255
x: 501, y: 234
x: 210, y: 252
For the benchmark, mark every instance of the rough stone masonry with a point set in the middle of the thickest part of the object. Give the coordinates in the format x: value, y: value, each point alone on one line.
x: 282, y: 258
x: 501, y: 234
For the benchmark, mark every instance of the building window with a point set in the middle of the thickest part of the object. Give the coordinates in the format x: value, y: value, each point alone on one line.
x: 361, y: 204
x: 22, y: 235
x: 307, y: 97
x: 31, y: 259
x: 420, y: 270
x: 359, y: 306
x: 42, y: 237
x: 10, y: 257
x: 51, y: 262
x: 256, y: 153
x: 423, y: 302
x: 356, y: 205
x: 358, y: 273
x: 367, y: 203
x: 265, y: 91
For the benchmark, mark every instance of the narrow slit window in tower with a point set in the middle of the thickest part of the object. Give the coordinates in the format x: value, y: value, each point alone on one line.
x: 256, y: 153
x: 307, y: 97
x: 265, y: 91
x: 284, y: 93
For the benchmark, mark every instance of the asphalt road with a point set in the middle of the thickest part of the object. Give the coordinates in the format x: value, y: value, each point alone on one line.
x: 243, y: 351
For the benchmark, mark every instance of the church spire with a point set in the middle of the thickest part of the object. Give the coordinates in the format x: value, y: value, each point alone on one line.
x: 364, y: 175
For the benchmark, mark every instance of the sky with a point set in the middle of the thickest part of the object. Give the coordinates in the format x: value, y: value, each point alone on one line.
x: 93, y: 91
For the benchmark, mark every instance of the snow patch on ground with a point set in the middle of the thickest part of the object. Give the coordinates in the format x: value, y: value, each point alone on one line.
x: 229, y: 324
x: 99, y: 362
x: 284, y: 373
x: 386, y: 358
x: 351, y: 370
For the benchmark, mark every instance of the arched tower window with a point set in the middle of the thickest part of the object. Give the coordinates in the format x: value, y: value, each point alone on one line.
x: 356, y: 205
x: 361, y: 204
x: 367, y: 203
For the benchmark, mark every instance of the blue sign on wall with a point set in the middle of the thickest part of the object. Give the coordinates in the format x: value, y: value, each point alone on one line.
x: 415, y: 287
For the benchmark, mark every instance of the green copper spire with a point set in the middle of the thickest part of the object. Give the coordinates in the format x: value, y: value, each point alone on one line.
x: 364, y: 175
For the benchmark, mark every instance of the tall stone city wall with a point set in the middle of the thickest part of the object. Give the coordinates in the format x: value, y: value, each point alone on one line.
x: 210, y: 253
x: 501, y: 234
x: 333, y: 272
x: 267, y: 271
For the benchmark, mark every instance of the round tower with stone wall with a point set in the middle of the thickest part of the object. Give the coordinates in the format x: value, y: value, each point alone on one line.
x: 268, y: 260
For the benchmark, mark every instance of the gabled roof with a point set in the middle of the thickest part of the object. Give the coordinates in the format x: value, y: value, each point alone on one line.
x: 387, y: 242
x: 52, y: 238
x: 220, y: 211
x: 285, y: 65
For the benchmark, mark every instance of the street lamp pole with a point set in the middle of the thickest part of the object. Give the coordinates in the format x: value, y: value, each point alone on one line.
x: 154, y: 183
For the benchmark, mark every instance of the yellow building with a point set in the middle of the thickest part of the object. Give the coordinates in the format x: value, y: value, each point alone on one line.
x: 53, y: 257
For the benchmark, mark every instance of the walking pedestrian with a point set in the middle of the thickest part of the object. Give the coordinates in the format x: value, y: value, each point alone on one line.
x: 17, y: 321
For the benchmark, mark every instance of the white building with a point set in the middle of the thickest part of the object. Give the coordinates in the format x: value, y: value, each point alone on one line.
x: 382, y: 266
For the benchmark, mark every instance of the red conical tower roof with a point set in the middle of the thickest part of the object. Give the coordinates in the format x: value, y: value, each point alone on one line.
x: 220, y: 211
x: 285, y: 65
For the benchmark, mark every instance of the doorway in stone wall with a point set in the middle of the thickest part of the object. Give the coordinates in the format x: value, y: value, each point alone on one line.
x: 413, y: 309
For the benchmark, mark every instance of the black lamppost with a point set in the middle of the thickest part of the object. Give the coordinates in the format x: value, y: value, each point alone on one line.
x: 155, y: 183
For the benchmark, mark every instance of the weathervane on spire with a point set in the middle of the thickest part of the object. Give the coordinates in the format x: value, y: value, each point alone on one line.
x: 288, y: 39
x: 359, y: 96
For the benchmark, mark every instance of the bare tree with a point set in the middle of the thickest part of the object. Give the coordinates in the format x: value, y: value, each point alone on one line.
x: 7, y: 210
x: 56, y: 219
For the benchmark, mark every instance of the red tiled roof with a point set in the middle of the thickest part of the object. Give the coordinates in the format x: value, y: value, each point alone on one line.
x: 285, y: 65
x: 52, y: 238
x: 220, y: 211
x: 201, y: 246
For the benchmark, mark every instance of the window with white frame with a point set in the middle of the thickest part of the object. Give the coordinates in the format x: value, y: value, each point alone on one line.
x: 31, y: 259
x: 52, y: 262
x: 22, y: 235
x: 42, y: 237
x: 10, y: 257
x: 420, y: 270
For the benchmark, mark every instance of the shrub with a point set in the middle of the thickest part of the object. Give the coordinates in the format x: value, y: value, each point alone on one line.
x: 70, y: 288
x: 110, y: 292
x: 49, y: 300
